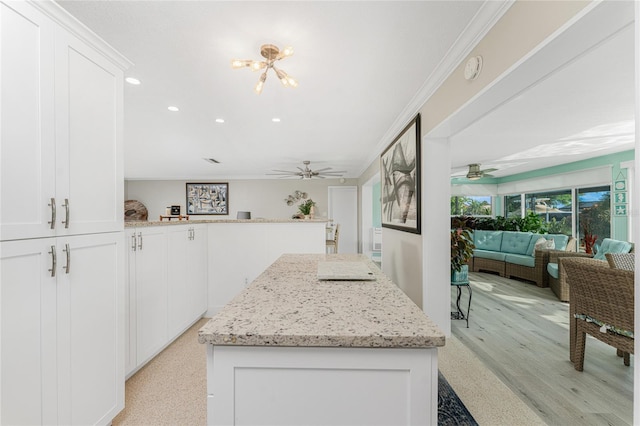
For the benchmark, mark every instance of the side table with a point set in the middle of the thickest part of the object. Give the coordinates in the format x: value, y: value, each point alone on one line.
x: 460, y: 313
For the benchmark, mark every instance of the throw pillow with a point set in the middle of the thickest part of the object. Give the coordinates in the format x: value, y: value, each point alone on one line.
x: 543, y: 244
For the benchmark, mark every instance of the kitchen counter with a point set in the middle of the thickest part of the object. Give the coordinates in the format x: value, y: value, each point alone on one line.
x: 288, y: 306
x: 291, y: 349
x: 191, y: 221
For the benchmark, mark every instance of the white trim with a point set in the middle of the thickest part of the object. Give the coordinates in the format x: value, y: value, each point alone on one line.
x: 63, y: 18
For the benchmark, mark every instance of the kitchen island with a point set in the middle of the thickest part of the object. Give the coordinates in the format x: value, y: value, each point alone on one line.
x: 291, y: 349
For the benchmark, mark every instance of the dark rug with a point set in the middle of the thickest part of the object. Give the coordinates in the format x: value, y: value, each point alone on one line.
x: 451, y: 411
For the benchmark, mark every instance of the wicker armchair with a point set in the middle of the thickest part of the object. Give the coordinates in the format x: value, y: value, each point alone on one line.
x: 559, y: 285
x: 605, y: 297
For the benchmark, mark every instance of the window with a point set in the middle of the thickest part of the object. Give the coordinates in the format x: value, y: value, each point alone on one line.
x: 471, y: 205
x: 555, y: 207
x: 594, y: 212
x: 513, y: 206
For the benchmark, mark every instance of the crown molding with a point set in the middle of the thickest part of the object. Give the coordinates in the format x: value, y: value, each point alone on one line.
x: 489, y: 13
x: 63, y: 18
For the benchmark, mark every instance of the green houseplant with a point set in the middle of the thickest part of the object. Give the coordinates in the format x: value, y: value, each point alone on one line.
x: 461, y: 250
x: 305, y: 206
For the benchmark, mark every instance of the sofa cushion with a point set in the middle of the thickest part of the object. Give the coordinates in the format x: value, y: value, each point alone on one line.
x: 552, y: 269
x: 520, y: 259
x: 488, y: 254
x: 612, y: 246
x: 515, y: 242
x: 487, y: 240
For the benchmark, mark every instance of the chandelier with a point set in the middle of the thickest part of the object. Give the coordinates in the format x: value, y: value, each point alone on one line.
x: 271, y: 54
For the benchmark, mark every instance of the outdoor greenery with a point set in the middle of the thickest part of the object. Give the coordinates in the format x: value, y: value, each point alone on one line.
x: 530, y: 223
x: 477, y: 206
x: 595, y: 220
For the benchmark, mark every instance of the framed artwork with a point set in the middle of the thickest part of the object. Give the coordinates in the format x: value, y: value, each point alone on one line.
x: 208, y: 198
x: 400, y: 180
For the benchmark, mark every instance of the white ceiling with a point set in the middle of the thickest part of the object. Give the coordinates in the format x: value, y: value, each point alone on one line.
x: 359, y: 65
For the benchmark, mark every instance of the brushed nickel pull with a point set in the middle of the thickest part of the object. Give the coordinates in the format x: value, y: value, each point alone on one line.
x: 139, y: 240
x: 53, y: 261
x: 133, y: 242
x: 66, y: 214
x: 68, y: 251
x: 52, y: 204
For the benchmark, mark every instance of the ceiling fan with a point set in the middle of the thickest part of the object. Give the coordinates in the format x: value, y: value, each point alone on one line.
x: 307, y: 173
x: 475, y: 173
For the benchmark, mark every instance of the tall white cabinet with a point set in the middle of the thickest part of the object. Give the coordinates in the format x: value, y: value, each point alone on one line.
x: 61, y: 220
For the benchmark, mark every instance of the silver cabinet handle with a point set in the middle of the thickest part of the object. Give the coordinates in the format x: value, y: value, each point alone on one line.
x: 52, y: 204
x: 66, y: 214
x: 68, y: 251
x: 139, y: 240
x: 53, y: 261
x: 191, y: 236
x: 133, y: 242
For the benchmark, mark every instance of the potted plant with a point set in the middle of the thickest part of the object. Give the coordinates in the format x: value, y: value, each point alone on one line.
x: 461, y: 251
x: 306, y: 207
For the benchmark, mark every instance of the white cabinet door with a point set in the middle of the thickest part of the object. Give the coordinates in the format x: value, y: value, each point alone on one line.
x: 130, y: 246
x: 28, y: 333
x: 187, y: 276
x: 151, y: 292
x: 178, y: 240
x: 90, y: 328
x: 89, y: 167
x: 198, y: 270
x: 27, y: 148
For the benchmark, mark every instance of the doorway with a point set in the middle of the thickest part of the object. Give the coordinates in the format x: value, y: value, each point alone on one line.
x: 343, y: 210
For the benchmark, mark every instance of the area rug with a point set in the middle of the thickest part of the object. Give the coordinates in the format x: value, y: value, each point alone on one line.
x: 451, y: 410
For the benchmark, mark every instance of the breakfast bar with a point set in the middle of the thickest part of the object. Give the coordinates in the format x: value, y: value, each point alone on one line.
x: 295, y: 349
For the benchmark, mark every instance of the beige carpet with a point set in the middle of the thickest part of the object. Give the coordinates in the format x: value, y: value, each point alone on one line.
x: 171, y: 389
x: 489, y: 401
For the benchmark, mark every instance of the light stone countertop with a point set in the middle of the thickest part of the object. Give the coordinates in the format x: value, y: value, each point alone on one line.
x: 191, y: 221
x: 288, y: 306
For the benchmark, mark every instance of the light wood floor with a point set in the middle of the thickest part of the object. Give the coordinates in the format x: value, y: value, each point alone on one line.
x: 521, y: 333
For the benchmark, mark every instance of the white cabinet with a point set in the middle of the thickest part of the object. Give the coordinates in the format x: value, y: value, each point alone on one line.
x: 187, y: 276
x: 61, y: 315
x: 61, y: 188
x: 166, y: 287
x: 148, y: 289
x: 61, y: 137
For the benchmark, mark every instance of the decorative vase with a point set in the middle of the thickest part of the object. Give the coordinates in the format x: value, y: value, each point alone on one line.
x: 461, y: 276
x: 312, y: 212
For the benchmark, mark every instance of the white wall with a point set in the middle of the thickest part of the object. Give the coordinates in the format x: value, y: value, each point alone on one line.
x: 402, y: 261
x: 263, y: 198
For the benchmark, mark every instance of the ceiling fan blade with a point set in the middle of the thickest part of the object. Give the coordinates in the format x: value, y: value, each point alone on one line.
x: 485, y: 171
x: 322, y: 170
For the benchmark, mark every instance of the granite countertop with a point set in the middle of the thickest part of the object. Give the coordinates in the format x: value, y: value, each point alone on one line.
x: 288, y: 306
x: 191, y: 221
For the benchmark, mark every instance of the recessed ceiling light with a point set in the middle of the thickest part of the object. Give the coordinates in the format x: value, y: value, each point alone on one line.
x: 173, y: 108
x: 132, y: 80
x: 275, y: 120
x: 219, y: 120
